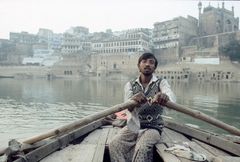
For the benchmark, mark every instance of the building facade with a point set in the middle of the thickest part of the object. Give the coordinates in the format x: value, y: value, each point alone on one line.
x: 76, y: 41
x: 130, y: 41
x: 53, y: 40
x: 24, y: 38
x: 216, y: 20
x: 169, y: 36
x: 73, y: 44
x: 175, y: 32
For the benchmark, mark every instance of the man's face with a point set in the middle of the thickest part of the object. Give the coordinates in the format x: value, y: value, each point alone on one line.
x: 147, y: 66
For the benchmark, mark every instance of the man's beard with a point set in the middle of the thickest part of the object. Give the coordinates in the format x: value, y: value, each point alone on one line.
x: 147, y: 73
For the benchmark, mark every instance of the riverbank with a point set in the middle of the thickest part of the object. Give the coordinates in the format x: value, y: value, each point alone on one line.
x: 226, y: 71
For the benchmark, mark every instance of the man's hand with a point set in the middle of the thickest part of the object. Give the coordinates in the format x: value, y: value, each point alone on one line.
x: 139, y: 98
x: 160, y: 98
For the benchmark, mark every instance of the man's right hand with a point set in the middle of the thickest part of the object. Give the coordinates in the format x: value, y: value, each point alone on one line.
x: 140, y: 98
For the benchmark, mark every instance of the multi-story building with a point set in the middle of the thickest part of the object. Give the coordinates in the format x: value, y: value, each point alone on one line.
x: 173, y: 32
x: 129, y: 41
x: 169, y: 36
x: 75, y: 45
x: 53, y: 40
x: 44, y: 35
x: 56, y: 42
x: 76, y: 41
x: 23, y: 37
x: 6, y: 47
x: 12, y: 53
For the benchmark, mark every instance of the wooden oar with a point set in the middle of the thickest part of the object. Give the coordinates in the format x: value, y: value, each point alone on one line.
x: 204, y: 117
x: 82, y: 122
x: 120, y: 107
x: 78, y: 123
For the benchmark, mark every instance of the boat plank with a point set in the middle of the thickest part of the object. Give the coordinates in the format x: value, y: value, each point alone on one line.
x: 199, y: 149
x: 160, y: 148
x: 176, y: 138
x: 194, y: 145
x: 89, y: 150
x: 212, y: 153
x: 165, y: 155
x: 215, y: 151
x: 113, y: 132
x: 93, y: 137
x: 58, y: 143
x: 207, y: 137
x: 228, y: 159
x: 73, y: 153
x: 99, y: 153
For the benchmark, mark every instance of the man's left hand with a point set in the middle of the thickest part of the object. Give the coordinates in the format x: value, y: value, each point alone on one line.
x: 160, y: 98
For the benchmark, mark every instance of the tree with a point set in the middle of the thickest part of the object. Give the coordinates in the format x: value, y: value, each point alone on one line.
x: 232, y: 50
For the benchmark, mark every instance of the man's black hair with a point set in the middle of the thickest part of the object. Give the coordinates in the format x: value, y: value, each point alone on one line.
x: 146, y: 56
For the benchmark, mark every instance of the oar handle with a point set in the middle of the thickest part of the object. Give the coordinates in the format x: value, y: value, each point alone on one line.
x: 204, y: 117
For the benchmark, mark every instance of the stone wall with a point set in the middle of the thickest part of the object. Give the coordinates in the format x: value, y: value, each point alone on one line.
x: 168, y: 55
x: 111, y: 64
x: 24, y: 72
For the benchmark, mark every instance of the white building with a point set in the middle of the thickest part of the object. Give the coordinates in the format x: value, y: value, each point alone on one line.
x: 42, y: 57
x: 129, y: 41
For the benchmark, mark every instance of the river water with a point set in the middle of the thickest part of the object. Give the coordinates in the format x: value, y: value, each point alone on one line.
x: 31, y: 107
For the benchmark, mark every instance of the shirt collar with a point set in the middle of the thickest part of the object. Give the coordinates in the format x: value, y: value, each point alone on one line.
x: 153, y: 79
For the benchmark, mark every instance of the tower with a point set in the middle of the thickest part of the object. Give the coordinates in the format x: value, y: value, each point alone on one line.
x: 199, y: 17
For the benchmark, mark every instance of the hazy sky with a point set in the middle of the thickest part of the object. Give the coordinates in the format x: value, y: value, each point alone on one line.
x: 97, y: 15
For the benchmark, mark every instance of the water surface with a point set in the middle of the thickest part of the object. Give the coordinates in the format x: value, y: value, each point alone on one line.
x: 30, y: 107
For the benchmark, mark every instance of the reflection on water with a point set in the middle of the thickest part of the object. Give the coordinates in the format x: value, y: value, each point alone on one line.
x: 30, y: 107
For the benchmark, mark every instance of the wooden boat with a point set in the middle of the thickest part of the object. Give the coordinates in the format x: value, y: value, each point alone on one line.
x: 89, y: 143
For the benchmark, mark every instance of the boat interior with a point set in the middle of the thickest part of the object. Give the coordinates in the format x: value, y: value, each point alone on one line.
x: 180, y: 143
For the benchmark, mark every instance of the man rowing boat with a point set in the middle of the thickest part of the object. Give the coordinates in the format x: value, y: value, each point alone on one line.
x: 144, y: 123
